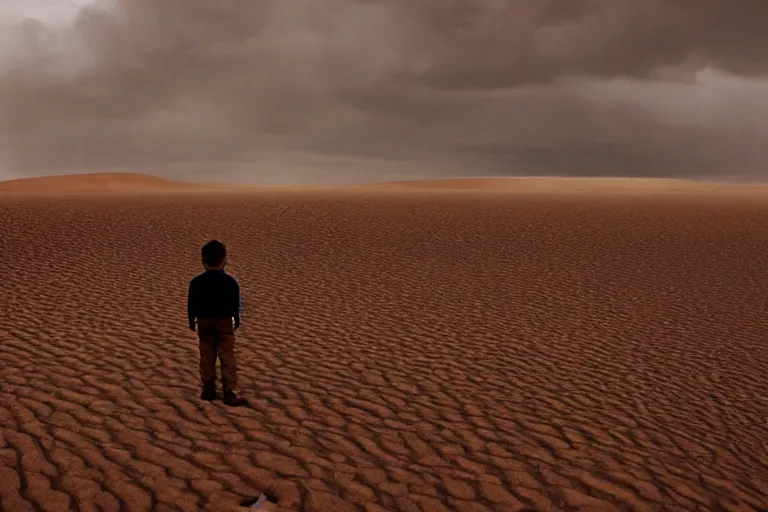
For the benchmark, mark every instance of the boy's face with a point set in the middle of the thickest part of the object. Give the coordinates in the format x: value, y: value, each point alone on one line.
x: 219, y: 267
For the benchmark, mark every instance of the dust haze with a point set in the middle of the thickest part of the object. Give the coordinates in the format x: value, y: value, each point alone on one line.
x: 374, y: 90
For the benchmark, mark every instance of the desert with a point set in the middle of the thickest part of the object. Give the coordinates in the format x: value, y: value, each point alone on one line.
x: 483, y: 346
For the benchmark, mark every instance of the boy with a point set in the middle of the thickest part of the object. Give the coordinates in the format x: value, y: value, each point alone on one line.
x: 214, y: 301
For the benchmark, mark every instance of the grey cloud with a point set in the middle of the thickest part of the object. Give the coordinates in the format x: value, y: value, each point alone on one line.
x: 247, y: 90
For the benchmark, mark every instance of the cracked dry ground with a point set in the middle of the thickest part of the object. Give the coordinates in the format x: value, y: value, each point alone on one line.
x: 413, y: 352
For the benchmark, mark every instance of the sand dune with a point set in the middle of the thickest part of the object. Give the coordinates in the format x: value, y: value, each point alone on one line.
x: 98, y: 183
x: 133, y: 183
x: 560, y: 185
x: 414, y: 352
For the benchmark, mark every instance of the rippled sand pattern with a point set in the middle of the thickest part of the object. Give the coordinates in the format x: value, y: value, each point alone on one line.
x: 483, y: 352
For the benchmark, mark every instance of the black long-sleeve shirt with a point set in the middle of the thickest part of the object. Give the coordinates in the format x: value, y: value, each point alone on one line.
x: 213, y: 293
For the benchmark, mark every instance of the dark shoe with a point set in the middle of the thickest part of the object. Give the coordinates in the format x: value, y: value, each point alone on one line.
x: 209, y: 391
x: 233, y: 400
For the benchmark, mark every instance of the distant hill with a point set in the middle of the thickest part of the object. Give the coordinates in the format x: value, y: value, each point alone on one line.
x: 98, y: 183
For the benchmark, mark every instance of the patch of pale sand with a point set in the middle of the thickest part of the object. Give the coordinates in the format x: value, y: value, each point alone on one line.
x: 566, y: 185
x: 402, y: 352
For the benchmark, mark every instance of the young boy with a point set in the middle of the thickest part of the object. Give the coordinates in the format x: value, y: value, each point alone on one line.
x: 214, y: 301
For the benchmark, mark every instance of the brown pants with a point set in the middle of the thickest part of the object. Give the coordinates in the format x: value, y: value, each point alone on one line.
x: 217, y: 338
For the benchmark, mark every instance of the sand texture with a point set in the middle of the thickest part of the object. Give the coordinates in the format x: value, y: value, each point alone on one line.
x: 402, y: 352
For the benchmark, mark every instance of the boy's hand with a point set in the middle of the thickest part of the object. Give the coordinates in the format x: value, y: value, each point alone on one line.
x: 192, y: 326
x: 237, y: 323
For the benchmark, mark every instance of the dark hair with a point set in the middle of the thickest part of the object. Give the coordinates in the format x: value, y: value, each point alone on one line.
x: 214, y: 253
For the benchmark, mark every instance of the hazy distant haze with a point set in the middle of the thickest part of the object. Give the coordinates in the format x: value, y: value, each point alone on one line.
x: 369, y: 90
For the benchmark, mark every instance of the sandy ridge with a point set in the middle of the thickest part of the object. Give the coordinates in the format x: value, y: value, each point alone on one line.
x: 134, y: 183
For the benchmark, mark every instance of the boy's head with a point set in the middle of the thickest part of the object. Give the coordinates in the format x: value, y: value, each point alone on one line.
x: 214, y: 255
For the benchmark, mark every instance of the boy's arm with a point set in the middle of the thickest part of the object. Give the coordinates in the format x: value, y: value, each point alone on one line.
x: 191, y: 306
x: 236, y: 304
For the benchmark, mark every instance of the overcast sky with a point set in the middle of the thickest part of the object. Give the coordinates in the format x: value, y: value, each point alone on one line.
x: 373, y: 90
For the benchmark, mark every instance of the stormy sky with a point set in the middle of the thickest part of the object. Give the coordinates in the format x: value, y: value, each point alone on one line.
x: 328, y: 91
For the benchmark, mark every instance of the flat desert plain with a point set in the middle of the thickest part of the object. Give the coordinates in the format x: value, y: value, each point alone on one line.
x: 478, y: 346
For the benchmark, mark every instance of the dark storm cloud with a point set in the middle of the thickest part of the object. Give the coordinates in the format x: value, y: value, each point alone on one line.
x: 376, y: 89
